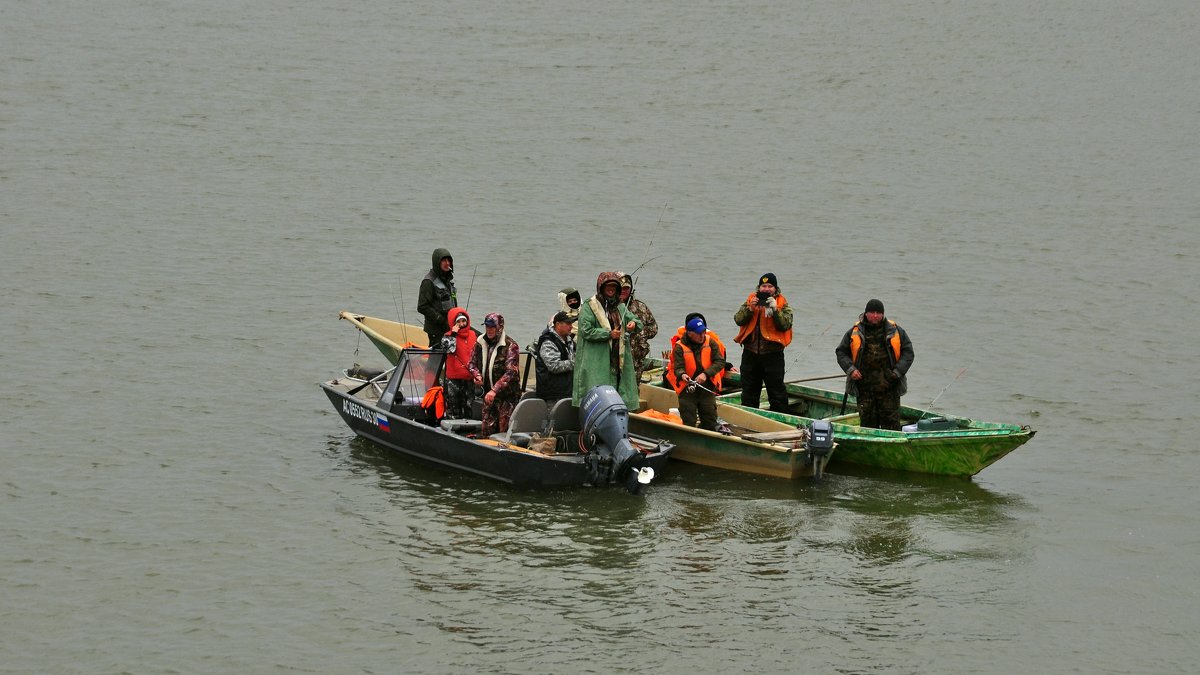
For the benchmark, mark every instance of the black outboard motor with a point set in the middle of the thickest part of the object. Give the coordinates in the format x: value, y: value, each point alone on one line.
x: 819, y: 444
x: 604, y: 421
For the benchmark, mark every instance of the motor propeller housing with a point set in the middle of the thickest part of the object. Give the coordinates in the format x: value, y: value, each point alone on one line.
x: 604, y: 424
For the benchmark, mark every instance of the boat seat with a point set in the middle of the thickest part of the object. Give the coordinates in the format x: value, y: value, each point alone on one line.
x: 563, y: 416
x: 462, y: 427
x: 528, y: 417
x: 519, y: 439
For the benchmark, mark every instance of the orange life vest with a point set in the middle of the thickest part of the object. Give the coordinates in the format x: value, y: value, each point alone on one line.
x: 435, y: 402
x: 711, y: 341
x: 768, y: 328
x: 856, y: 340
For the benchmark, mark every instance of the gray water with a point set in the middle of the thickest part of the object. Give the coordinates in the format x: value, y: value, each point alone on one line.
x: 192, y: 191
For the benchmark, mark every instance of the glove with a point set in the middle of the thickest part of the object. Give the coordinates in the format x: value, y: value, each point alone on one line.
x: 771, y: 303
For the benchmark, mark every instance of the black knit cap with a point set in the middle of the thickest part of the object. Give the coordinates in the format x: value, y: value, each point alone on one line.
x: 768, y: 278
x: 874, y: 305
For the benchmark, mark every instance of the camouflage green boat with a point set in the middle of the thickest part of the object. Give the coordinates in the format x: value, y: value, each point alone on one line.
x: 934, y: 443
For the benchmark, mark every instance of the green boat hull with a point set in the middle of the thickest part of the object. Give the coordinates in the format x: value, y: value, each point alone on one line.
x: 965, y: 450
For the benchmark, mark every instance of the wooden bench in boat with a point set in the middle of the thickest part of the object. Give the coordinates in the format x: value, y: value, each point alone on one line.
x: 775, y: 436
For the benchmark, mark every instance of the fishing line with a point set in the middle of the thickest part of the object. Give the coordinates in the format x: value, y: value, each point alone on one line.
x: 935, y: 398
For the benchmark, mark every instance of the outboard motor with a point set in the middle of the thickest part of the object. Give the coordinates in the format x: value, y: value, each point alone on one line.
x: 604, y: 421
x: 819, y: 443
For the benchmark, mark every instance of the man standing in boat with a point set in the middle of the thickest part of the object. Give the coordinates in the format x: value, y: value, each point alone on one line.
x: 696, y: 365
x: 461, y: 375
x: 639, y: 342
x: 603, y: 355
x: 876, y: 354
x: 437, y: 296
x: 766, y: 329
x: 497, y: 359
x: 568, y: 301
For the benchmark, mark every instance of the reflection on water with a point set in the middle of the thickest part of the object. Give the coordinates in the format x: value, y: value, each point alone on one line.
x: 701, y: 545
x: 877, y: 517
x: 552, y: 528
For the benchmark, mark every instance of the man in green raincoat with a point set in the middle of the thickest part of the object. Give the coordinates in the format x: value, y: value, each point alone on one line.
x: 603, y: 354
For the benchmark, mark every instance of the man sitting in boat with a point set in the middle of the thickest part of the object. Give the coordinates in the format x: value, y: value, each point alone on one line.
x: 695, y: 368
x: 461, y: 374
x: 497, y: 359
x: 876, y: 354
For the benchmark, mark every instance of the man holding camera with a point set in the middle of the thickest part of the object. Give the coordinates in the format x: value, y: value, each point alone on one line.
x: 766, y: 328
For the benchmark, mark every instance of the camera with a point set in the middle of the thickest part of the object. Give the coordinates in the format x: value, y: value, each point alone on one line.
x: 763, y: 296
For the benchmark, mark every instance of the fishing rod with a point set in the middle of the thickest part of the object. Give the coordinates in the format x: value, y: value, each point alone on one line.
x: 692, y: 384
x: 633, y: 274
x: 400, y: 308
x: 471, y: 287
x: 657, y: 226
x: 814, y: 379
x: 399, y: 312
x: 935, y: 398
x: 810, y: 344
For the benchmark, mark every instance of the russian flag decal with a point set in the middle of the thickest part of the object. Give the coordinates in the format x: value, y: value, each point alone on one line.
x: 382, y: 423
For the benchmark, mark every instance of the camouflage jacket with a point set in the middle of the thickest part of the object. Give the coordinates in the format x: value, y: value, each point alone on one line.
x: 639, y: 342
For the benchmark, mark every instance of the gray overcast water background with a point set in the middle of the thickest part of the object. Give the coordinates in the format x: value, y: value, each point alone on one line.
x: 192, y: 191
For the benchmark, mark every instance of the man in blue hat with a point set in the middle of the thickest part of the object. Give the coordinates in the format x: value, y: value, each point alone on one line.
x: 696, y: 366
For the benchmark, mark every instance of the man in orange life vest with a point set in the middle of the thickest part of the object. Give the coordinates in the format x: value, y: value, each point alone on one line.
x: 766, y: 328
x: 876, y: 354
x: 695, y: 370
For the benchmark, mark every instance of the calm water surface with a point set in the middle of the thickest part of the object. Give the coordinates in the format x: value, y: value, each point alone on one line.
x: 192, y: 191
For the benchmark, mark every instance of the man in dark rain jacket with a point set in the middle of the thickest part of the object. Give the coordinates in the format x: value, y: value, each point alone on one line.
x: 437, y: 296
x: 876, y: 354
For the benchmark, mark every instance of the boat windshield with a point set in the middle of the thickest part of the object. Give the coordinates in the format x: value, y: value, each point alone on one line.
x: 421, y: 371
x: 416, y: 373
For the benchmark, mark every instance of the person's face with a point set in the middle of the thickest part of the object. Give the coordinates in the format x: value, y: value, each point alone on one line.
x: 445, y: 264
x: 460, y: 323
x: 625, y: 291
x: 610, y: 290
x: 766, y: 288
x: 874, y: 318
x: 573, y: 303
x: 562, y: 328
x: 490, y: 332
